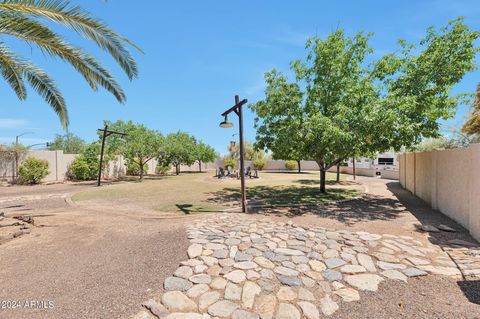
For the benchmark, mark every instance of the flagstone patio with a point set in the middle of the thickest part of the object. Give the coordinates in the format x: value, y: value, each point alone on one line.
x: 244, y: 266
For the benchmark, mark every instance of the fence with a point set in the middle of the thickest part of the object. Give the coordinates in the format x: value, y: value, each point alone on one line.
x: 448, y: 180
x: 59, y: 163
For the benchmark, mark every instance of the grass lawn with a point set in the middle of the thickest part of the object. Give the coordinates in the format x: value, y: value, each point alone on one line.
x: 200, y: 192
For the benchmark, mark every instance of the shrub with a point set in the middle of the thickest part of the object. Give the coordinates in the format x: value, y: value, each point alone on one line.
x: 162, y: 169
x: 133, y: 168
x: 259, y: 164
x: 83, y: 169
x: 33, y: 170
x: 290, y: 165
x: 230, y: 162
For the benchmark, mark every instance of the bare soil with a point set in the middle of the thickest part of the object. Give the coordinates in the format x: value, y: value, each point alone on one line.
x: 87, y: 263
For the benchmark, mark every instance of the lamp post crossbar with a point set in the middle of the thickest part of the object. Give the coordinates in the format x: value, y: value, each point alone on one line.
x: 106, y: 133
x: 237, y: 108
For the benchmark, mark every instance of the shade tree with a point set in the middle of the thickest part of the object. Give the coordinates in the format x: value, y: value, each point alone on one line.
x: 344, y: 104
x: 138, y: 146
x: 180, y: 149
x: 204, y: 154
x: 69, y: 143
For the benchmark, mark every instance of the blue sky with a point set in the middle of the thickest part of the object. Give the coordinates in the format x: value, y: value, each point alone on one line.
x: 199, y: 54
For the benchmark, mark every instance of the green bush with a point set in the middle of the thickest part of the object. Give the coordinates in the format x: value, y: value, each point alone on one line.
x: 259, y: 164
x: 290, y: 165
x: 33, y: 170
x: 230, y: 162
x: 133, y: 168
x: 83, y: 169
x: 162, y: 169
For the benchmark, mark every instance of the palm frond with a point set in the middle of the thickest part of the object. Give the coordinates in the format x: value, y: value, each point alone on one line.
x: 79, y: 20
x: 19, y: 26
x: 39, y: 80
x: 10, y: 72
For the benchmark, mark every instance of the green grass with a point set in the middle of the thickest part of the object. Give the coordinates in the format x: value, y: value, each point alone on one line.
x: 197, y: 193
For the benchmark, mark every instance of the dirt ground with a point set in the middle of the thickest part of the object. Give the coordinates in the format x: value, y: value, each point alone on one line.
x: 94, y: 263
x: 83, y: 263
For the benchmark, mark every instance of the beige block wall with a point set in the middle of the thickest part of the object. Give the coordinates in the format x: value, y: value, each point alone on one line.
x: 474, y: 191
x: 390, y: 174
x: 52, y: 158
x: 453, y: 174
x: 448, y: 180
x: 423, y: 176
x: 358, y: 171
x: 401, y: 163
x: 410, y: 172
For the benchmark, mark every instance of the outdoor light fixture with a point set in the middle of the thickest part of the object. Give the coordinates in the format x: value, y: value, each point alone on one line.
x: 225, y: 123
x: 237, y: 109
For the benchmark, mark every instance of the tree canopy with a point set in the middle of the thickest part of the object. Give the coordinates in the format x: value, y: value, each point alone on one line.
x: 343, y: 105
x: 204, y: 154
x: 139, y: 145
x: 472, y: 124
x: 180, y: 149
x: 69, y: 143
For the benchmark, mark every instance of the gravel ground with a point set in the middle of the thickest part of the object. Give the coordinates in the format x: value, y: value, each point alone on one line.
x: 426, y: 297
x: 90, y: 264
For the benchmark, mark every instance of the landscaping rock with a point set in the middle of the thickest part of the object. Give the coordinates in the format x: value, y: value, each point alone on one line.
x: 287, y: 311
x: 194, y: 250
x: 223, y: 308
x: 366, y: 282
x: 176, y: 283
x: 176, y: 301
x: 309, y: 310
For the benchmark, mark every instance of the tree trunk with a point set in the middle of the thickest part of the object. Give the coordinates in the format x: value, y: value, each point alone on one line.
x: 177, y: 169
x: 141, y: 171
x: 200, y: 166
x: 323, y: 177
x: 338, y: 173
x: 298, y: 166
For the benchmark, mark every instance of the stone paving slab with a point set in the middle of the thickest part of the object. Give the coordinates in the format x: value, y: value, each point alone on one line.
x: 245, y: 267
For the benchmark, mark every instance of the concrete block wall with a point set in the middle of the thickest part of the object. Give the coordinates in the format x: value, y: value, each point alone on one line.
x: 448, y: 180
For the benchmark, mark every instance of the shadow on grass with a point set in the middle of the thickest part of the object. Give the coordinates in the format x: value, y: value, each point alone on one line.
x: 188, y: 209
x: 328, y: 182
x: 136, y: 179
x: 285, y: 172
x: 296, y: 201
x: 281, y: 195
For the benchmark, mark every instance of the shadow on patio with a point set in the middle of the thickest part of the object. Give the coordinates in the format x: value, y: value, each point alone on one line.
x: 429, y: 216
x: 296, y: 201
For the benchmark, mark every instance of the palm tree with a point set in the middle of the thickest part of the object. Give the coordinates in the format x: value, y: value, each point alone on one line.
x: 24, y: 20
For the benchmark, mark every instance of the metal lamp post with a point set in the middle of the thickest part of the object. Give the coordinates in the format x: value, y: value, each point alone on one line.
x: 20, y: 135
x: 237, y: 108
x: 16, y: 151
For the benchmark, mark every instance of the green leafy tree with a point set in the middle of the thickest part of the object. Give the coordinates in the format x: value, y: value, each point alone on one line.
x: 430, y: 144
x: 69, y: 143
x: 33, y: 170
x: 180, y: 149
x: 205, y: 154
x: 284, y: 137
x: 417, y: 82
x: 472, y: 124
x: 344, y: 107
x: 252, y: 153
x: 85, y: 166
x: 138, y: 146
x: 30, y: 21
